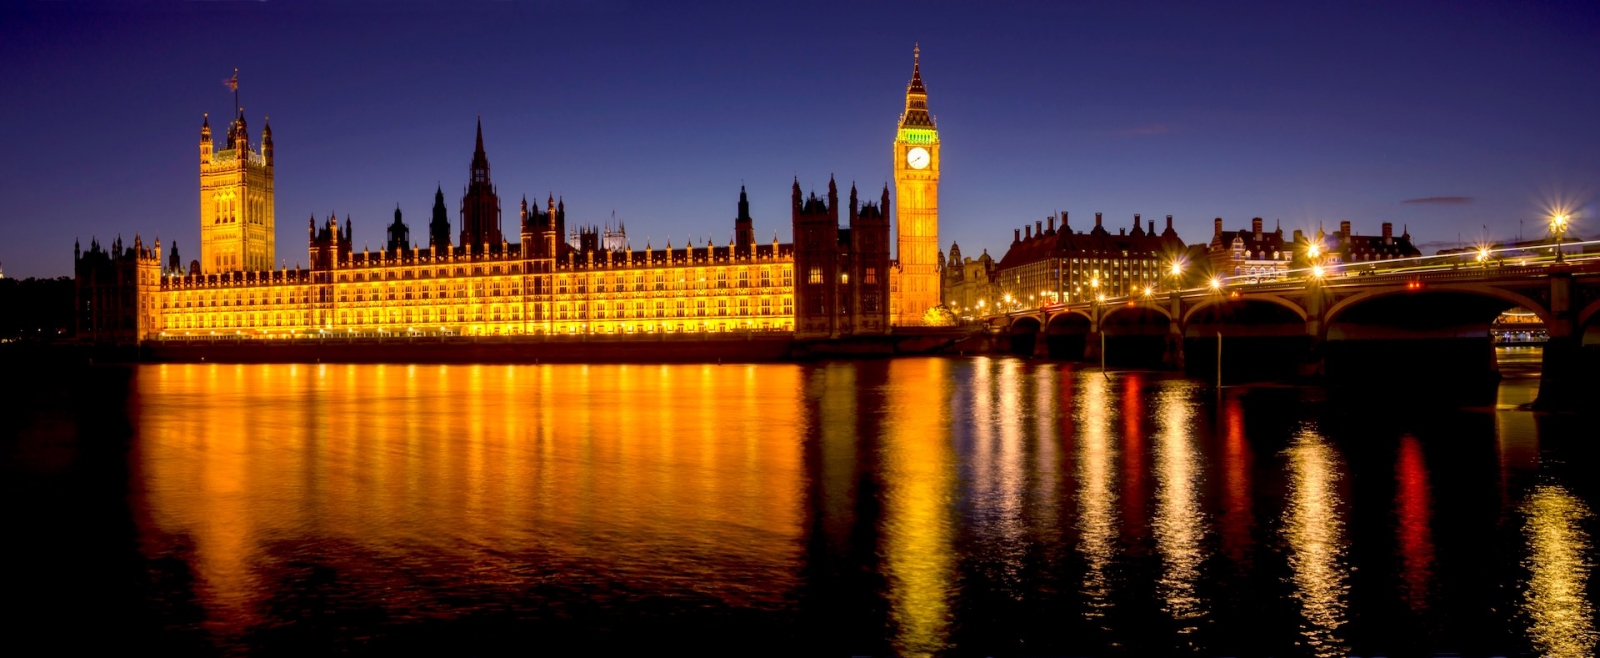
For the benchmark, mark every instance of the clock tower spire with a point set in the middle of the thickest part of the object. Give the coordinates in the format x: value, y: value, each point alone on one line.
x: 916, y: 212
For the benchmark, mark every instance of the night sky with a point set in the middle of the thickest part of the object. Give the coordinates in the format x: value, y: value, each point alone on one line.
x: 1447, y: 118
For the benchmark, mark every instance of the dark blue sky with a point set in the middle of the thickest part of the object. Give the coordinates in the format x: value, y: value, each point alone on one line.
x: 659, y: 112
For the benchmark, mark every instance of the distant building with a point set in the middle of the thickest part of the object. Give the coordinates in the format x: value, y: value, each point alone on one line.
x: 1063, y: 266
x: 1344, y: 249
x: 1249, y: 255
x: 966, y: 281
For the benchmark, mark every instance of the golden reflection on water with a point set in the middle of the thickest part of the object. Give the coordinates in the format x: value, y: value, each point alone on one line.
x: 1314, y: 531
x: 1561, y: 617
x: 1097, y: 494
x: 665, y: 478
x: 1180, y: 524
x: 919, y: 482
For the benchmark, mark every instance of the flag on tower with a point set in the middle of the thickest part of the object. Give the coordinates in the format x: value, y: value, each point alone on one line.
x: 232, y: 83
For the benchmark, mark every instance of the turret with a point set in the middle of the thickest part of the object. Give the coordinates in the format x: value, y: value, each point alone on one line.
x: 205, y: 139
x: 266, y: 141
x: 439, y: 226
x: 241, y: 137
x: 744, y: 229
x: 833, y: 200
x: 399, y: 233
x: 854, y: 205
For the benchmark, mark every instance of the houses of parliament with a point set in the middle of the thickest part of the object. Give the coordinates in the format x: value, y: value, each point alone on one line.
x: 832, y: 281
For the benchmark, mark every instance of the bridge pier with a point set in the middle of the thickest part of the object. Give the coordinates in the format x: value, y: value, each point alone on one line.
x: 1091, y: 341
x: 1561, y: 380
x: 1172, y: 358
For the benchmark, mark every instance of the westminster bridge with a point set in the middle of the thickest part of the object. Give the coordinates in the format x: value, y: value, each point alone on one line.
x: 1410, y: 324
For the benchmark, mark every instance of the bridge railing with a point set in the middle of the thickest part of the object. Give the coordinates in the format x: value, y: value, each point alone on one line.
x: 1351, y: 276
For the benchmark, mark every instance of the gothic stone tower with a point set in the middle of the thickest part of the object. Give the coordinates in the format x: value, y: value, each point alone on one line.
x: 480, y: 205
x: 916, y: 182
x: 236, y: 206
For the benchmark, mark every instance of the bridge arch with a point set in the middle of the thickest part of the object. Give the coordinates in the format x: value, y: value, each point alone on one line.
x: 1511, y: 298
x: 1216, y: 300
x: 1589, y: 313
x: 1024, y: 334
x: 1053, y: 317
x: 1121, y: 308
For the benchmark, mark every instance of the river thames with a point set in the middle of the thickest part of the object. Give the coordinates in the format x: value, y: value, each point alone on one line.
x: 978, y: 506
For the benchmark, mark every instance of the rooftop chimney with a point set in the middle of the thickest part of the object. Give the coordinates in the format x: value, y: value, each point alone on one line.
x: 1218, y: 224
x: 1255, y: 226
x: 1298, y: 236
x: 1027, y: 232
x: 1344, y: 228
x: 1388, y: 232
x: 1038, y: 227
x: 1016, y: 235
x: 1097, y: 219
x: 1052, y: 220
x: 1169, y: 221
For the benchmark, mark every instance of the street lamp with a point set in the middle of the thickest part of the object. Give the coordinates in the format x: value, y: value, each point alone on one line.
x: 1558, y: 226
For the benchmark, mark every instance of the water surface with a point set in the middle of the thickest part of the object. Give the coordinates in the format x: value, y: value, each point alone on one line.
x: 900, y: 507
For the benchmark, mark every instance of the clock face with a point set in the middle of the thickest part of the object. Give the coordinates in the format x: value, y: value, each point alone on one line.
x: 917, y: 158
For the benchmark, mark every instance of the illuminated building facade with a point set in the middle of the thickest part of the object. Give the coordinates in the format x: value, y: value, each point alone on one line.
x: 967, y: 281
x: 916, y: 182
x: 236, y: 200
x: 484, y: 286
x: 1046, y: 265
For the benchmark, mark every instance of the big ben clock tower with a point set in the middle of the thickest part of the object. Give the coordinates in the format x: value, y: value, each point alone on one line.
x: 916, y: 210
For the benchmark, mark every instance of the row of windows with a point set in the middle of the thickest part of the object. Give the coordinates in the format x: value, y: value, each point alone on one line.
x: 495, y: 313
x: 814, y: 275
x: 745, y: 277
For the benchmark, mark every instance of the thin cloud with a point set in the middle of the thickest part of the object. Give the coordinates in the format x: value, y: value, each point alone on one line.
x: 1440, y: 200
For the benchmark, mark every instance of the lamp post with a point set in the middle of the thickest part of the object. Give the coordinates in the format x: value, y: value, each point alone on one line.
x: 1558, y: 226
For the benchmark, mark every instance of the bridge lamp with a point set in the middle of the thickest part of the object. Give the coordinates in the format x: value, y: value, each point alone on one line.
x: 1177, y: 268
x: 1558, y: 226
x: 1100, y: 298
x: 1317, y: 272
x: 1216, y: 283
x: 1483, y: 254
x: 1314, y: 251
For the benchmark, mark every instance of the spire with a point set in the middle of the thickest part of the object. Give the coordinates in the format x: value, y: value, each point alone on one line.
x: 916, y: 71
x: 480, y: 161
x: 916, y: 113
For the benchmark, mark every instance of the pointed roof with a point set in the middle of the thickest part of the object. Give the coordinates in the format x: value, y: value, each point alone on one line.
x: 916, y: 113
x: 480, y: 161
x: 916, y: 72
